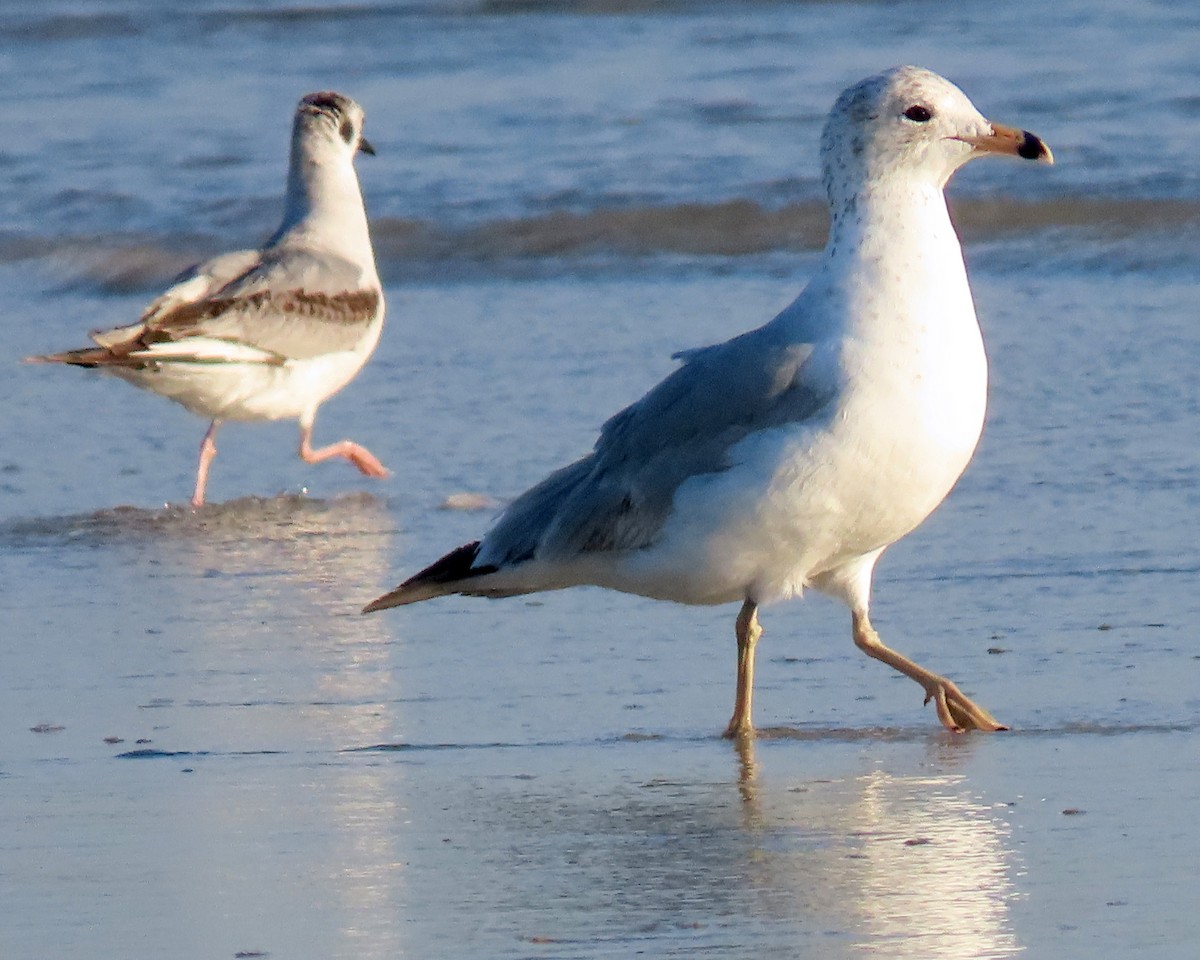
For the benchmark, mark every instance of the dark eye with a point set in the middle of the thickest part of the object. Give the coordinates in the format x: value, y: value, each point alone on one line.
x: 919, y: 114
x: 347, y: 131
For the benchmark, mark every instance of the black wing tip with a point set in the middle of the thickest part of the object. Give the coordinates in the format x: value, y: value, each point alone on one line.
x: 438, y: 579
x: 456, y: 565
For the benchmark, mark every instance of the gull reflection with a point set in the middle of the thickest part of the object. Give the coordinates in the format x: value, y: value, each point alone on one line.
x: 900, y: 865
x: 901, y: 862
x: 935, y: 878
x: 262, y: 667
x: 291, y: 559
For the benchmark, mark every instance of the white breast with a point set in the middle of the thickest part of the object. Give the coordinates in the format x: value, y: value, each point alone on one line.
x: 246, y: 388
x: 899, y: 336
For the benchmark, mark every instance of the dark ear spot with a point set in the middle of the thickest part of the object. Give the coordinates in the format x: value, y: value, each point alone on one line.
x: 346, y: 130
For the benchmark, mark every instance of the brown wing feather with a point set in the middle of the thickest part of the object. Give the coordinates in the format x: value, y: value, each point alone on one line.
x: 281, y: 321
x: 87, y: 357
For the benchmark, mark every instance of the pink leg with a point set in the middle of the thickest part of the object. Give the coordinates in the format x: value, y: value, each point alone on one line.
x: 361, y: 457
x: 208, y: 450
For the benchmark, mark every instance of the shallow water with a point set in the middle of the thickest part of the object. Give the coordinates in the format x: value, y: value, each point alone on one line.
x: 205, y: 750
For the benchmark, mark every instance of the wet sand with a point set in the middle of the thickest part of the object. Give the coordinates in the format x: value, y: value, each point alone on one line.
x: 206, y: 752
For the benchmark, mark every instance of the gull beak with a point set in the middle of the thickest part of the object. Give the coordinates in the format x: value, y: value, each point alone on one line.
x: 364, y: 146
x: 1013, y: 142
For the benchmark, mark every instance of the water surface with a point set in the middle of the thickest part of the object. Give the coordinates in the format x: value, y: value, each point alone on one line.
x: 205, y: 750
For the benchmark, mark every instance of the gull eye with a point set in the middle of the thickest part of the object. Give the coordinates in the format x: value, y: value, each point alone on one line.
x: 347, y: 131
x: 919, y: 114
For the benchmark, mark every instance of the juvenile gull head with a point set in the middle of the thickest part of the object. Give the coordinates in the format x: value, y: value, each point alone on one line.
x: 333, y: 117
x: 324, y: 203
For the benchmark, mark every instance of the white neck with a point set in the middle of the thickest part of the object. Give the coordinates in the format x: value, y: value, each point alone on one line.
x: 899, y: 229
x: 908, y: 339
x: 891, y: 206
x: 324, y: 205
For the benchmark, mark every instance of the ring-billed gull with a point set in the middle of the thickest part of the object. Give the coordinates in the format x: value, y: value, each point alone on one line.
x: 269, y: 334
x: 792, y: 455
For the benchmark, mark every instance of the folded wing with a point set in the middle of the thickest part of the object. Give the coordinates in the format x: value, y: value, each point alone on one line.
x: 249, y: 307
x: 619, y: 497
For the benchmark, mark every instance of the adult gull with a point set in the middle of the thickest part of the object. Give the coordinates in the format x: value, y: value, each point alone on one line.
x: 791, y: 456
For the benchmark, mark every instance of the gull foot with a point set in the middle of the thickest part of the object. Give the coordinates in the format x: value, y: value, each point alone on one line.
x: 362, y: 458
x: 958, y: 712
x: 739, y: 728
x: 366, y: 461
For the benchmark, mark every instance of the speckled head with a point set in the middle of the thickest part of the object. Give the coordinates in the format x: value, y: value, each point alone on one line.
x: 908, y: 122
x: 334, y: 116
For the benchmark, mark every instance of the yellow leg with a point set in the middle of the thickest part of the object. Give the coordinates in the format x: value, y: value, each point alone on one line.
x: 748, y: 632
x: 956, y: 711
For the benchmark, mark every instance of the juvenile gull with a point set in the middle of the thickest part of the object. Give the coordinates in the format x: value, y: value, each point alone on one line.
x: 269, y: 334
x: 794, y: 454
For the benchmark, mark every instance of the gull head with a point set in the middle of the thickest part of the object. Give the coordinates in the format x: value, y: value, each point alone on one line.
x: 328, y: 120
x: 912, y: 124
x: 324, y: 199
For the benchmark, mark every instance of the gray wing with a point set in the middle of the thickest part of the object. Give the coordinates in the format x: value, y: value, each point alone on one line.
x: 619, y: 496
x: 289, y: 302
x: 294, y: 303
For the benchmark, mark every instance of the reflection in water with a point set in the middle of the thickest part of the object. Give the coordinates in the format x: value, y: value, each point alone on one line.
x: 747, y: 770
x: 259, y: 649
x: 937, y: 874
x: 906, y: 866
x: 292, y: 559
x: 885, y: 864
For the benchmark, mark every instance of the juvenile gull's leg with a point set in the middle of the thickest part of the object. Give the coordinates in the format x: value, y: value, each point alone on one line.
x: 208, y: 450
x: 954, y: 708
x: 748, y: 632
x: 361, y: 457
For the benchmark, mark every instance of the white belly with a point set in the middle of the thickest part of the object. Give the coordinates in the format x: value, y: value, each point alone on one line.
x: 805, y: 499
x: 250, y: 391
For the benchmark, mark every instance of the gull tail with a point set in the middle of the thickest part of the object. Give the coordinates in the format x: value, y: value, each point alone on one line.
x: 87, y: 357
x: 448, y: 575
x: 113, y: 348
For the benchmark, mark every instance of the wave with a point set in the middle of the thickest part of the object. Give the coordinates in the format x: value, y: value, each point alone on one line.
x: 54, y: 26
x: 743, y: 227
x: 55, y: 23
x: 52, y: 22
x: 563, y: 239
